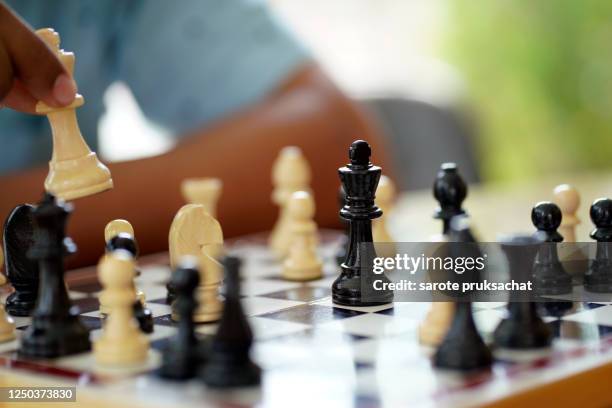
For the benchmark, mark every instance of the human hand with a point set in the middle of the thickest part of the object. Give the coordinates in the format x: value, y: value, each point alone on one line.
x: 29, y: 69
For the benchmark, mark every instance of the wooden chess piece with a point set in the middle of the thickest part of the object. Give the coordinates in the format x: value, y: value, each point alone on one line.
x: 302, y: 263
x: 450, y: 191
x: 56, y: 328
x: 204, y: 191
x: 7, y: 326
x: 568, y: 200
x: 121, y: 343
x: 355, y: 285
x: 74, y: 170
x: 385, y: 197
x: 194, y: 232
x: 115, y: 227
x: 291, y: 173
x: 2, y: 277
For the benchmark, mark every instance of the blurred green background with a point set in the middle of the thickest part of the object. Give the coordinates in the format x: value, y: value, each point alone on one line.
x: 539, y: 80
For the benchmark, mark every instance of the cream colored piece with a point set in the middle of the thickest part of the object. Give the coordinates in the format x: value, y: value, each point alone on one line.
x: 385, y: 199
x: 568, y: 200
x: 115, y: 227
x: 205, y: 191
x: 2, y: 277
x: 194, y: 232
x: 7, y: 326
x: 436, y: 324
x: 122, y: 343
x: 74, y: 170
x: 291, y: 173
x: 302, y: 263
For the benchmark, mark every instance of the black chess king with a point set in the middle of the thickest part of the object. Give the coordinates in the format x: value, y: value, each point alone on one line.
x: 359, y: 178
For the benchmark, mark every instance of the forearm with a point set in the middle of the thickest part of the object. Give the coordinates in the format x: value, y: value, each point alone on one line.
x: 307, y: 111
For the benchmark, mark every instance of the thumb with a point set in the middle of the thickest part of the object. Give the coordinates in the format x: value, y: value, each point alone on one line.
x: 34, y: 63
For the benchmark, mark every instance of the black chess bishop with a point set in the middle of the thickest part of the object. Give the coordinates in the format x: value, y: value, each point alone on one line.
x: 549, y: 275
x: 359, y: 178
x: 599, y: 275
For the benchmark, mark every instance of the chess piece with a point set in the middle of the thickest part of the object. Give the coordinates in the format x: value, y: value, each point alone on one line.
x: 56, y: 329
x: 462, y: 348
x: 182, y: 356
x: 228, y: 363
x: 121, y: 342
x: 599, y: 275
x: 450, y: 191
x: 204, y: 191
x: 119, y: 234
x: 359, y: 179
x: 194, y: 232
x: 290, y: 173
x: 568, y: 200
x: 302, y: 263
x: 385, y: 197
x: 522, y: 328
x: 343, y: 241
x: 7, y: 326
x: 21, y: 271
x: 74, y: 170
x: 549, y: 276
x: 2, y: 277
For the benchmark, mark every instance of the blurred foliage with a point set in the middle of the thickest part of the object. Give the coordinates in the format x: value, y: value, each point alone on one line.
x: 539, y: 77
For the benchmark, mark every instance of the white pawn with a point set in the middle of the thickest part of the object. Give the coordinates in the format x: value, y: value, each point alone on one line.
x: 7, y: 326
x: 121, y: 343
x: 290, y: 173
x: 568, y: 200
x: 385, y: 198
x: 204, y: 191
x: 302, y: 263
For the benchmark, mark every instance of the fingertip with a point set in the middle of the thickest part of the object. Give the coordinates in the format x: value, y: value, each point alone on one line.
x: 64, y: 89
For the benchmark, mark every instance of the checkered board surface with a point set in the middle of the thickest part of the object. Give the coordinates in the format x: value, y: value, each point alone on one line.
x: 314, y: 353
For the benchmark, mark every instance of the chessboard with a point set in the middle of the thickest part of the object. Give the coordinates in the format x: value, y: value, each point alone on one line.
x: 315, y: 353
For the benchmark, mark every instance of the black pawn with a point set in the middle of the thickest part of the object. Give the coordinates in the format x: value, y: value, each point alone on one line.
x: 599, y: 276
x: 182, y: 358
x: 522, y: 328
x: 56, y: 329
x: 549, y: 275
x: 126, y: 241
x: 450, y: 191
x: 21, y: 271
x: 228, y: 362
x: 359, y: 180
x: 463, y: 348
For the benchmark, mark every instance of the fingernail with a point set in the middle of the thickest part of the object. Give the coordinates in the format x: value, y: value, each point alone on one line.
x: 64, y: 89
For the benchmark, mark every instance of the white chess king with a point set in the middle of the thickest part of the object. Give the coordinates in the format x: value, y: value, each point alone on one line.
x: 74, y: 170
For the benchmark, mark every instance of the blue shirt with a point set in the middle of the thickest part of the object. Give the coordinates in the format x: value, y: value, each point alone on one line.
x: 188, y: 63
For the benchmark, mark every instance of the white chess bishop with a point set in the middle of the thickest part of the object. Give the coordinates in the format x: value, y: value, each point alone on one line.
x: 74, y: 170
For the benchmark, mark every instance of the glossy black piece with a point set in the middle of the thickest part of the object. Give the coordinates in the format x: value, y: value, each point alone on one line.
x: 599, y: 275
x: 127, y: 242
x: 522, y: 328
x: 21, y: 271
x: 228, y: 362
x: 549, y: 275
x: 341, y: 253
x: 359, y: 180
x: 462, y: 348
x: 56, y: 329
x: 182, y: 357
x: 450, y: 191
